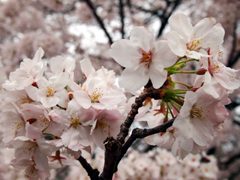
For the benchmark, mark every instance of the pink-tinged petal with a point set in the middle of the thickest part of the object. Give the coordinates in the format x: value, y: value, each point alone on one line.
x: 157, y: 76
x: 76, y: 138
x: 125, y: 53
x: 163, y: 54
x: 49, y: 102
x: 82, y: 98
x: 33, y: 132
x: 38, y: 55
x: 86, y: 66
x: 202, y: 27
x: 176, y: 43
x: 41, y: 164
x: 181, y: 24
x: 227, y: 77
x: 214, y: 38
x: 133, y: 80
x: 143, y: 38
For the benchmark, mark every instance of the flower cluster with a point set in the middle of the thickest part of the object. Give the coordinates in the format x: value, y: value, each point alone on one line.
x: 198, y: 108
x: 49, y: 119
x: 44, y: 111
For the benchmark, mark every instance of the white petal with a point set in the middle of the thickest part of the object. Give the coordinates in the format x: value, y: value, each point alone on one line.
x: 86, y: 66
x: 133, y: 80
x: 38, y: 55
x: 142, y: 37
x: 176, y: 43
x: 181, y: 24
x: 202, y: 27
x: 163, y: 55
x: 214, y: 38
x: 125, y: 53
x: 157, y: 76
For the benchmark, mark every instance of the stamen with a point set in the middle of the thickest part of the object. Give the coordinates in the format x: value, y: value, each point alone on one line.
x: 75, y: 122
x: 146, y: 58
x: 95, y: 96
x: 196, y: 112
x: 194, y: 45
x: 50, y: 91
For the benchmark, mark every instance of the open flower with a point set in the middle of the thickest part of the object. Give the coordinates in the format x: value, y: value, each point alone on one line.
x: 184, y: 39
x: 200, y: 116
x: 99, y: 90
x: 30, y: 71
x: 143, y: 59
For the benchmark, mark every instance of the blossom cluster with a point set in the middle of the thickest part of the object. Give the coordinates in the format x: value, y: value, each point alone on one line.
x: 45, y: 111
x: 198, y: 108
x: 49, y: 119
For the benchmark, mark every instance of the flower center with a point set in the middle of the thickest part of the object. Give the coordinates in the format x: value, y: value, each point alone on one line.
x: 75, y: 122
x: 95, y: 96
x: 194, y: 45
x: 146, y: 58
x: 50, y: 91
x: 196, y: 112
x: 214, y: 68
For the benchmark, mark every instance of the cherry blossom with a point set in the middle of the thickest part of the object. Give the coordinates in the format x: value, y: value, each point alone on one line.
x: 184, y: 39
x: 143, y: 59
x: 29, y: 72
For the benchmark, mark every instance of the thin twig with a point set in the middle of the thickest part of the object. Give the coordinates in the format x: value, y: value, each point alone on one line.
x: 99, y: 20
x: 233, y: 57
x: 122, y: 17
x: 165, y: 16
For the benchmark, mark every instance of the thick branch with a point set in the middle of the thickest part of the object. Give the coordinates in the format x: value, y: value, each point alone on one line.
x: 124, y: 130
x: 99, y: 20
x: 92, y: 173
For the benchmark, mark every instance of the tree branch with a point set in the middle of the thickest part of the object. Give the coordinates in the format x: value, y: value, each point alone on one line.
x: 124, y: 129
x: 233, y: 56
x: 166, y: 14
x: 92, y: 173
x: 99, y: 20
x: 122, y: 17
x: 142, y: 133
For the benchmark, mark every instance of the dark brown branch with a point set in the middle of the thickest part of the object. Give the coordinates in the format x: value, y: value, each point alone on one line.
x: 138, y: 133
x: 92, y: 173
x: 122, y: 17
x: 166, y: 14
x: 99, y: 20
x: 124, y: 130
x: 234, y: 60
x: 233, y: 57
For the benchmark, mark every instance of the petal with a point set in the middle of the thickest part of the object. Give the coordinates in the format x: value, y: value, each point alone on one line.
x: 181, y: 24
x: 125, y: 53
x: 82, y: 98
x: 214, y: 38
x: 133, y: 80
x: 142, y: 37
x: 163, y: 55
x: 176, y: 43
x: 202, y: 27
x: 227, y: 77
x: 87, y: 67
x: 157, y: 76
x: 38, y: 55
